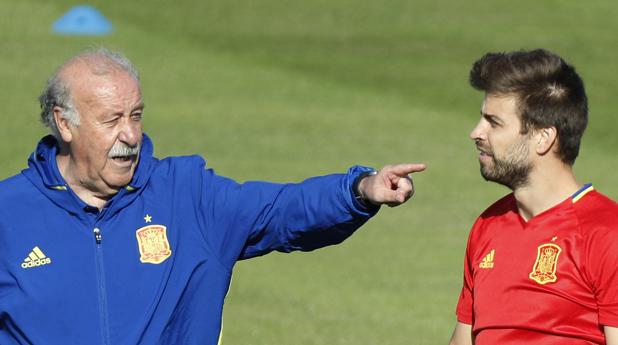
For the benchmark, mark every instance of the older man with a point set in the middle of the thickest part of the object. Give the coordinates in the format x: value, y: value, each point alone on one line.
x: 102, y: 243
x: 541, y: 265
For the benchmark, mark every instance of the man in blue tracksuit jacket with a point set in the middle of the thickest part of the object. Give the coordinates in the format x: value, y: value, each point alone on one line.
x: 102, y: 243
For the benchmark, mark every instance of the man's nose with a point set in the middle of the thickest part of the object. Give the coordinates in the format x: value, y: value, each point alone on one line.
x: 131, y: 132
x: 478, y: 133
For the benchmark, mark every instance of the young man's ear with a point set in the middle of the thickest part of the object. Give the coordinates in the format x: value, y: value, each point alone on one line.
x: 547, y: 138
x: 63, y: 125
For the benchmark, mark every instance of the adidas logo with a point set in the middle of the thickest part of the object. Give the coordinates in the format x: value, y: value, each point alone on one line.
x: 35, y: 258
x: 488, y: 260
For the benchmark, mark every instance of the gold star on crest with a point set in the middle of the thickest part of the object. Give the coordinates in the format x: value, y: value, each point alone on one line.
x: 148, y: 218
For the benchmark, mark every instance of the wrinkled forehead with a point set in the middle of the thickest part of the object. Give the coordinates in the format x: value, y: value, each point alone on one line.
x: 84, y: 70
x: 81, y: 72
x: 115, y: 89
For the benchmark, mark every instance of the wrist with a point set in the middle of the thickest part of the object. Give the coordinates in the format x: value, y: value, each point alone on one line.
x: 359, y: 196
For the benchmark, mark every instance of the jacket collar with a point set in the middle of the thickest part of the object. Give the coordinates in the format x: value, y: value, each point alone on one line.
x: 43, y: 172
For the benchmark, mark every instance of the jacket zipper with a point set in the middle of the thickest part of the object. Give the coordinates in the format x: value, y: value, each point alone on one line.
x: 98, y: 238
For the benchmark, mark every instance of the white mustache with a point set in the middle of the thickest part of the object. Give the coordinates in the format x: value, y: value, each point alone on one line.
x: 123, y: 150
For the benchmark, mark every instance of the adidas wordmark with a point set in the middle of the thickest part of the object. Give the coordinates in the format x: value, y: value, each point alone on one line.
x: 35, y: 258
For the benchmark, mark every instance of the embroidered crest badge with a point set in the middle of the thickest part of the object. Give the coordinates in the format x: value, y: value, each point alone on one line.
x: 153, y: 245
x: 544, y: 269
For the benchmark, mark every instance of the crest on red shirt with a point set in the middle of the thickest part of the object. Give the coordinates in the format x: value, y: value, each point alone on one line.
x: 153, y: 245
x: 544, y: 269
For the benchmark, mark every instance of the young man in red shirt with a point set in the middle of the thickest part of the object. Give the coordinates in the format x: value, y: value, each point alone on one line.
x: 541, y: 265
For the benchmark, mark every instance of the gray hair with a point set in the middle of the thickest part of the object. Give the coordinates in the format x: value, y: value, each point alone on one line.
x: 101, y: 61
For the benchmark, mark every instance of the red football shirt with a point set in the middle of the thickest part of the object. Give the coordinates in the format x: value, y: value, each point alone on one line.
x: 551, y: 280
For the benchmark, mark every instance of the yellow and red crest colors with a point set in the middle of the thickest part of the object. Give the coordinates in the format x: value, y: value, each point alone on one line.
x: 153, y: 245
x: 544, y: 269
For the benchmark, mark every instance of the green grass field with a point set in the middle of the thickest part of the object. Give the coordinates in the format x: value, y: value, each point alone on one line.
x: 283, y: 90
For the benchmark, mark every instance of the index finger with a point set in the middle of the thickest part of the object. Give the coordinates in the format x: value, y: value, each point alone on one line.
x: 406, y: 168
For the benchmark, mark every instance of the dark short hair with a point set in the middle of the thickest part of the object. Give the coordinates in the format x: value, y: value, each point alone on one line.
x: 548, y: 90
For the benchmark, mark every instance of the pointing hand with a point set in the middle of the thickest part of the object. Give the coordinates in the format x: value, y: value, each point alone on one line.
x: 392, y: 185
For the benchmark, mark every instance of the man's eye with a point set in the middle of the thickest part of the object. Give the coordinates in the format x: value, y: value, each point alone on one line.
x: 493, y: 123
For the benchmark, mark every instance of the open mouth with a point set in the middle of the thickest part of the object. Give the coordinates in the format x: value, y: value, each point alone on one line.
x: 121, y: 159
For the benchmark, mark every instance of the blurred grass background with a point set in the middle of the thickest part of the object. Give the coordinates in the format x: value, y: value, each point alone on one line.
x: 281, y: 90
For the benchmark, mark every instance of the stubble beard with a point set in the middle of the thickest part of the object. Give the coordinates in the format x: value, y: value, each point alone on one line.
x: 513, y: 171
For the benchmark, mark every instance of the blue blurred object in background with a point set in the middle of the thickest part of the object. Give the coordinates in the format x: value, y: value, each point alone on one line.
x: 82, y: 20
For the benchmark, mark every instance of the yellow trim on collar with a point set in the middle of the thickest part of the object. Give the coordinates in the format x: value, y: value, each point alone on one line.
x: 582, y: 193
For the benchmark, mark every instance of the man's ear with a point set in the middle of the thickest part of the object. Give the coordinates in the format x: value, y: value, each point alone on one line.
x: 63, y: 125
x: 547, y: 138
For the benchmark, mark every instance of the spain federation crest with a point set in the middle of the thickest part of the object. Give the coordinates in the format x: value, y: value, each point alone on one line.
x: 544, y: 269
x: 153, y: 245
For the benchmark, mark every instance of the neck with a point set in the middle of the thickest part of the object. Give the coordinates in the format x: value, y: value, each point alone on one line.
x: 86, y: 192
x: 547, y: 187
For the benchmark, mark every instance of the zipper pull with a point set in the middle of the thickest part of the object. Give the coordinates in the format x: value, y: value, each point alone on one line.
x: 97, y: 235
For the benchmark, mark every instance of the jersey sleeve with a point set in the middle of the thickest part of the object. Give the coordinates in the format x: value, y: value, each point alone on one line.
x: 602, y: 267
x: 465, y: 306
x: 254, y: 218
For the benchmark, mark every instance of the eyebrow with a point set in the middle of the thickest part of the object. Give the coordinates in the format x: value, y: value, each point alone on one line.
x: 492, y: 118
x: 140, y: 106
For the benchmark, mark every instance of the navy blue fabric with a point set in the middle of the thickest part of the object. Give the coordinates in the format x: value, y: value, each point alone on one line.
x: 93, y: 293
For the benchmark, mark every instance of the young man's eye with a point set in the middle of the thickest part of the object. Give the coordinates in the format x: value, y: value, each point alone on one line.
x: 492, y: 122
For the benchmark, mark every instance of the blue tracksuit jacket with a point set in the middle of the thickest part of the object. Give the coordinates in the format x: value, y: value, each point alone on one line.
x: 154, y: 266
